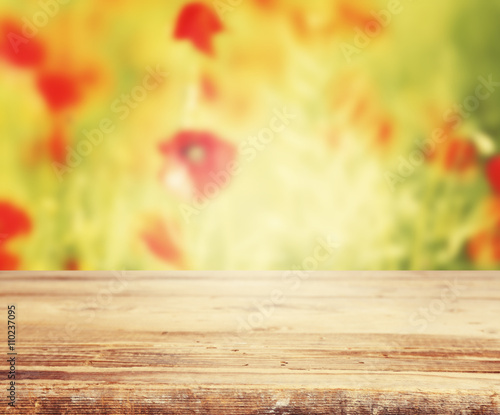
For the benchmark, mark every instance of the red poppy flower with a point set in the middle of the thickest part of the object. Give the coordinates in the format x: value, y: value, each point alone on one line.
x: 13, y: 222
x: 18, y: 49
x: 385, y: 132
x: 198, y: 23
x: 455, y: 154
x: 484, y: 248
x: 493, y: 173
x: 200, y: 156
x: 8, y: 261
x: 266, y: 4
x: 460, y: 155
x: 209, y: 89
x: 71, y: 264
x: 162, y: 242
x: 57, y: 143
x: 354, y: 16
x: 59, y: 89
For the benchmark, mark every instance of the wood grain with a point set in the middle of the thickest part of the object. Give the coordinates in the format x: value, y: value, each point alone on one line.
x: 254, y: 342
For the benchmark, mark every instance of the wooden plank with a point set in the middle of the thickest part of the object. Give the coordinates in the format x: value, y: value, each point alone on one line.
x: 255, y: 343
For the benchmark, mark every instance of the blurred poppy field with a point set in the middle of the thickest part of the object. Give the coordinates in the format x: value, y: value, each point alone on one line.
x: 249, y: 134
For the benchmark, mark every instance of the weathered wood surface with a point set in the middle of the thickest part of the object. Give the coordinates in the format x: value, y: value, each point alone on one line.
x: 254, y: 343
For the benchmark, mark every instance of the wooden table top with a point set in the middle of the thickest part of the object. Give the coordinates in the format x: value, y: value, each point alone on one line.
x: 253, y: 342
